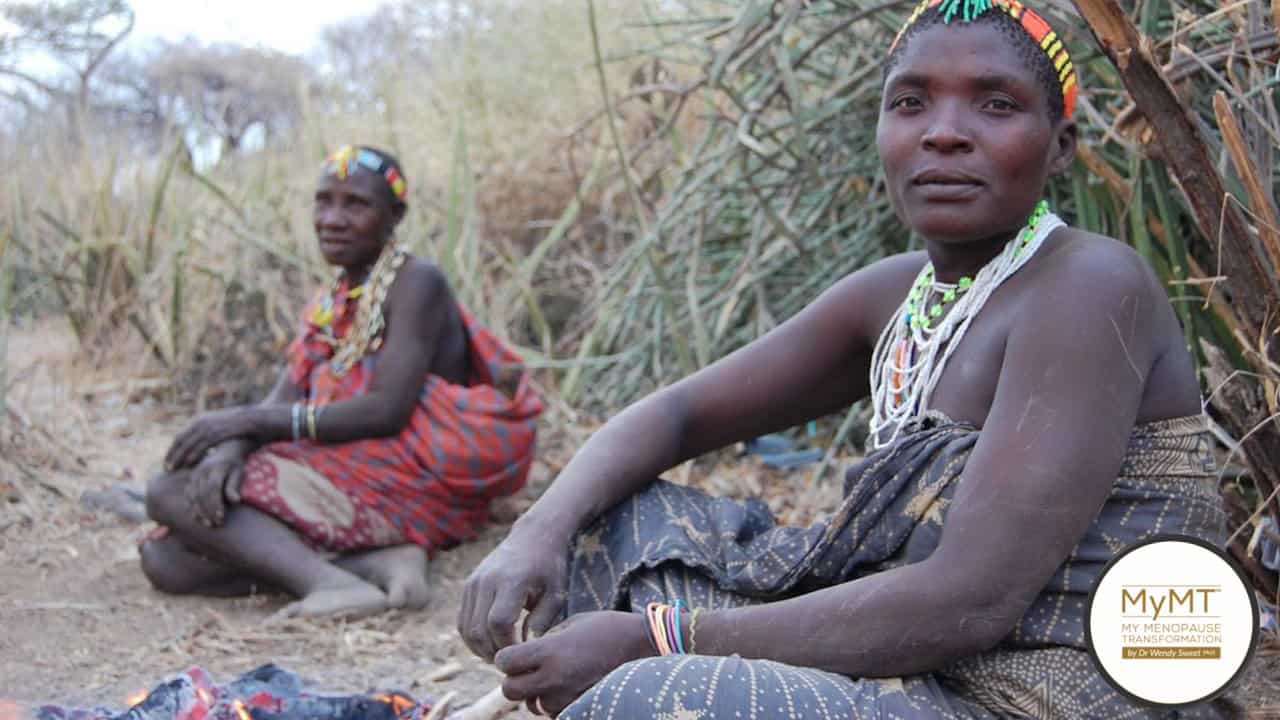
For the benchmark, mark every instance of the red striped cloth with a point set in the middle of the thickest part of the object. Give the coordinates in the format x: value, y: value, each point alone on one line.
x: 463, y: 447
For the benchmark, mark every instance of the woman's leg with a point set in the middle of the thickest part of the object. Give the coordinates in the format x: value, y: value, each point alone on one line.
x: 698, y: 687
x: 400, y: 570
x: 173, y: 568
x: 261, y: 547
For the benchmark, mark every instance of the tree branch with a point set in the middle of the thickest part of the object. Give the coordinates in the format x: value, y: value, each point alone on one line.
x: 96, y: 60
x: 19, y: 98
x: 36, y: 82
x: 1254, y: 290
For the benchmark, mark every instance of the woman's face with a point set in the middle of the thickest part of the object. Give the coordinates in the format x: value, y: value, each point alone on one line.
x: 965, y: 135
x: 352, y: 219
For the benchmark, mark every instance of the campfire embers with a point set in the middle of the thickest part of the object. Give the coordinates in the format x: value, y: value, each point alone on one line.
x: 267, y: 693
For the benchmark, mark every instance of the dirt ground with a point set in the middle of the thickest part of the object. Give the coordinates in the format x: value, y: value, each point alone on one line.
x: 78, y: 622
x: 80, y: 625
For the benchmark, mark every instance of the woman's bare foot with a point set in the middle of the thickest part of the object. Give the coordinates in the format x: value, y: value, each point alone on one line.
x: 400, y: 570
x: 353, y: 600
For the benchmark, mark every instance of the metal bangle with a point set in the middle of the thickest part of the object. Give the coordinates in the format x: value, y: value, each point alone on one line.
x: 297, y: 421
x: 311, y: 421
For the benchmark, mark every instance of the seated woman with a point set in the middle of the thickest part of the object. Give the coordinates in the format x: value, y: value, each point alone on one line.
x: 1035, y: 412
x: 384, y: 439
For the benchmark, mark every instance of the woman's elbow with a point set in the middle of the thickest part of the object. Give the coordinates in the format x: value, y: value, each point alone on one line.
x: 985, y: 611
x: 391, y: 421
x: 982, y: 626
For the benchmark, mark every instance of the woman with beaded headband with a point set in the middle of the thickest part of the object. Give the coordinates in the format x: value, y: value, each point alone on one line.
x: 395, y: 421
x: 1035, y: 412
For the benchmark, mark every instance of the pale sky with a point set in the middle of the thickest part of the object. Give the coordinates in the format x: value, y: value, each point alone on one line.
x: 291, y: 26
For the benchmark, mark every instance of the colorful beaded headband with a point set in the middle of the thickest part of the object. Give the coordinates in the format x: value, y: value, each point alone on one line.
x: 1030, y: 20
x: 348, y: 158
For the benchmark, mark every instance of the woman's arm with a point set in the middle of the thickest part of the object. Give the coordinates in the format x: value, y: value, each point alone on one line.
x: 811, y: 365
x: 216, y: 478
x: 1067, y: 398
x: 814, y: 364
x: 284, y: 392
x: 416, y: 309
x: 1066, y: 402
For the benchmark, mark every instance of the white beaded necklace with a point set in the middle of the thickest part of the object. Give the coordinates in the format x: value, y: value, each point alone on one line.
x: 910, y: 356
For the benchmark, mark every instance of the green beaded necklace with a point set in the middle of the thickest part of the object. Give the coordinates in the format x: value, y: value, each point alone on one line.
x: 922, y: 311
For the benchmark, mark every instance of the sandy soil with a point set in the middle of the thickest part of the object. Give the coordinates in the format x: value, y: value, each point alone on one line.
x: 80, y: 624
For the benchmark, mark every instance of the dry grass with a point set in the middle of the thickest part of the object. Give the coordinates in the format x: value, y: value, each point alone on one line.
x: 149, y: 257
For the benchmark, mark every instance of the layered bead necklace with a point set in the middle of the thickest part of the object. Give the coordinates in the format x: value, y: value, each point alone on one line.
x: 365, y: 334
x: 915, y: 346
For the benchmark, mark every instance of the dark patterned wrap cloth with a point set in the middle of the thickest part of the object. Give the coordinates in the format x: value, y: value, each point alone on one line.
x: 671, y: 542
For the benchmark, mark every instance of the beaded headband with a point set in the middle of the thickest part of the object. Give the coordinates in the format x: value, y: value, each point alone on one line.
x: 348, y: 158
x: 1030, y: 20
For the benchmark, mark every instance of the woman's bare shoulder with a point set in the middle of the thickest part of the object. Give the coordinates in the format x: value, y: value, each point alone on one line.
x: 1086, y: 279
x: 420, y: 284
x: 872, y: 293
x: 856, y: 307
x: 1080, y: 256
x: 423, y: 269
x: 423, y: 276
x: 906, y: 263
x: 886, y: 275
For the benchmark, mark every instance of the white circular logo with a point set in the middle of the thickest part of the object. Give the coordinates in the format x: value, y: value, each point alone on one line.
x: 1171, y: 621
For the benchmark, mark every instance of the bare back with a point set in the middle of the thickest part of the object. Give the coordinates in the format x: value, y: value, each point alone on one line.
x: 421, y: 298
x: 451, y: 360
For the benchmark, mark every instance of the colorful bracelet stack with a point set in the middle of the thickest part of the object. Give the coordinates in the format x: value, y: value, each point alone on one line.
x: 664, y: 628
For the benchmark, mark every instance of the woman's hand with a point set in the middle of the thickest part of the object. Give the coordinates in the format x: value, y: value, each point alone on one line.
x: 215, y: 483
x: 560, y: 666
x: 527, y: 571
x: 209, y: 430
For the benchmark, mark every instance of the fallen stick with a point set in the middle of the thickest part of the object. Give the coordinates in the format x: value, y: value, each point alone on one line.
x: 446, y: 672
x: 129, y: 386
x: 84, y: 607
x: 442, y: 706
x: 493, y: 705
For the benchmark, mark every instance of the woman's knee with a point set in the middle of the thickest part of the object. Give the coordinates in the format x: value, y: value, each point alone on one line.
x: 636, y: 689
x: 166, y: 497
x: 160, y: 570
